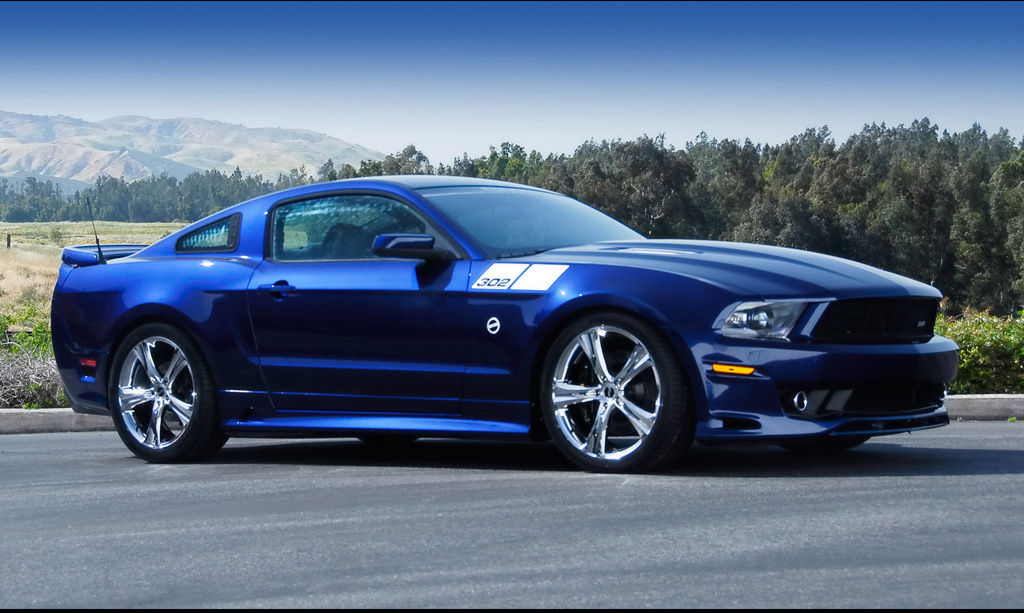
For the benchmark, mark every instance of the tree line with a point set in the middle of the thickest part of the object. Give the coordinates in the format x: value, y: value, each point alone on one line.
x: 946, y: 209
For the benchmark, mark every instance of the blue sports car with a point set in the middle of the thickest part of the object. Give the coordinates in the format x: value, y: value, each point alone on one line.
x: 432, y: 306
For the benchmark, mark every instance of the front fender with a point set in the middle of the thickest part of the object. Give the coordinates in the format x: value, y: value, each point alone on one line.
x: 503, y: 367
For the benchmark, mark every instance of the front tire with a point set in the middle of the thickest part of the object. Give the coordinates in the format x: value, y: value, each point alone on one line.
x: 615, y: 397
x: 162, y: 397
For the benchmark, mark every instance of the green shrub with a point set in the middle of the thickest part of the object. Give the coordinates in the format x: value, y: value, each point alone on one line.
x: 26, y: 329
x: 28, y: 374
x: 991, y: 352
x: 58, y: 236
x: 47, y: 394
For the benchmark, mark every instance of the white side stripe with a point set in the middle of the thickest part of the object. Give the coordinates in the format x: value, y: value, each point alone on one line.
x: 520, y: 277
x: 539, y: 277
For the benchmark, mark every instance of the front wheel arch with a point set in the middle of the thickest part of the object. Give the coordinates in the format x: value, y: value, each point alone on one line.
x: 538, y: 429
x: 664, y: 434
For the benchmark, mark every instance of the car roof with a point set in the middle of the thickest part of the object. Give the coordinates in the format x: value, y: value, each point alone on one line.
x: 431, y: 181
x: 409, y: 183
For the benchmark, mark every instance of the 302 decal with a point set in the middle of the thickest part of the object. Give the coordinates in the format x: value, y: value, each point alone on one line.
x: 493, y: 282
x: 500, y: 276
x: 519, y: 277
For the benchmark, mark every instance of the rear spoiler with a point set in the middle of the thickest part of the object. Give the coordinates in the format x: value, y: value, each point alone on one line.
x: 87, y: 255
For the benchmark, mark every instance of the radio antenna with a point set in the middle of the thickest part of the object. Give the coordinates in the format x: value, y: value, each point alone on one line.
x: 99, y: 251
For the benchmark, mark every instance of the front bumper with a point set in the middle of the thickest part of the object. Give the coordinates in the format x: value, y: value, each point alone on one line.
x: 800, y: 390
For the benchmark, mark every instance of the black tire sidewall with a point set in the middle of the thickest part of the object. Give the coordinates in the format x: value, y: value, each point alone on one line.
x: 202, y: 435
x: 673, y: 430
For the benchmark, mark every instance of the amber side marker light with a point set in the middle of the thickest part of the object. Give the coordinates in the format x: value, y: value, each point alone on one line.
x: 732, y: 369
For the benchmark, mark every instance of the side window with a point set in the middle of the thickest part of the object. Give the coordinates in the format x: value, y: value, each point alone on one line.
x: 218, y: 237
x: 338, y: 227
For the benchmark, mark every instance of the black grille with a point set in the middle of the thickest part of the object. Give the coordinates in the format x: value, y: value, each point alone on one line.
x: 879, y: 320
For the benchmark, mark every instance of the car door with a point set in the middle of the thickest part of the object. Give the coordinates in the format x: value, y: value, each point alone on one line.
x: 339, y: 329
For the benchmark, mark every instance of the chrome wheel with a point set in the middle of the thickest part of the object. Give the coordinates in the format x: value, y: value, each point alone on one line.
x: 156, y: 392
x: 606, y: 392
x: 162, y: 396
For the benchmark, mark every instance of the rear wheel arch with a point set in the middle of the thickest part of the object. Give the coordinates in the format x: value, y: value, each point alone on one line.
x: 167, y: 318
x: 186, y: 394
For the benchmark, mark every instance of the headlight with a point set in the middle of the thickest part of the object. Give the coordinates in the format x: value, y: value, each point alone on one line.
x: 763, y: 319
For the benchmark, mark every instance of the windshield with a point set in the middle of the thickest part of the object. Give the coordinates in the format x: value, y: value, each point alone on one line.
x: 507, y: 221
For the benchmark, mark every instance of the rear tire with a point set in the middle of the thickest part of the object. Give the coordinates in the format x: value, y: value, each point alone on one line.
x: 615, y: 397
x: 162, y: 396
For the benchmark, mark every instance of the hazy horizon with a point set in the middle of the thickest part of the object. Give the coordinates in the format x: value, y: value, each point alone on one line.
x: 456, y: 78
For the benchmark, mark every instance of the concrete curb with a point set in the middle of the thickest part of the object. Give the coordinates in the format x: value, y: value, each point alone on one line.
x: 966, y: 407
x: 27, y: 421
x: 979, y: 407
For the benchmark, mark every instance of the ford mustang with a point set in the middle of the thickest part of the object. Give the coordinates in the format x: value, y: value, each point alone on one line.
x: 402, y: 307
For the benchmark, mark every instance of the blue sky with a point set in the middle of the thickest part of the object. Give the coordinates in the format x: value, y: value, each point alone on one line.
x: 459, y: 77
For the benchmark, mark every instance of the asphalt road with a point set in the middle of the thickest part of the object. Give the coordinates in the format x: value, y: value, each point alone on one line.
x: 929, y: 520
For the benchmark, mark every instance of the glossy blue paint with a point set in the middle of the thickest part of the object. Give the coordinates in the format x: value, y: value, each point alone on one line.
x: 452, y: 346
x: 383, y: 335
x: 87, y: 255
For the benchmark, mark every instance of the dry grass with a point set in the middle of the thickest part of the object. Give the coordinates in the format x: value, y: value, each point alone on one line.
x: 80, y: 232
x: 27, y: 273
x: 28, y: 269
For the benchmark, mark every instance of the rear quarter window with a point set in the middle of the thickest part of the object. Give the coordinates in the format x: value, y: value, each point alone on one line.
x: 220, y: 236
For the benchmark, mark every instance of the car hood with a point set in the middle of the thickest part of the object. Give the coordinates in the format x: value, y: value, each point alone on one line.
x: 748, y: 270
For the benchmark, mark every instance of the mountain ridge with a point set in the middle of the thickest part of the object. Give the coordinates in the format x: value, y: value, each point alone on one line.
x: 75, y: 151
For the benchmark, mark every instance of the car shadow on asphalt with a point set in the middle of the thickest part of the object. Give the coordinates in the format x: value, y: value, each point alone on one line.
x: 875, y: 458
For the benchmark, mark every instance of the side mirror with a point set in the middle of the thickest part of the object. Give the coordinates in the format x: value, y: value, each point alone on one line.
x: 411, y: 246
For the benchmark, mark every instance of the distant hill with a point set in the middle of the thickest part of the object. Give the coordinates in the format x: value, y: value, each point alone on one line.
x: 74, y: 153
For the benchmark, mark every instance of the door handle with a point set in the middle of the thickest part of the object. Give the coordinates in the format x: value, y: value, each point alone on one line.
x: 277, y: 290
